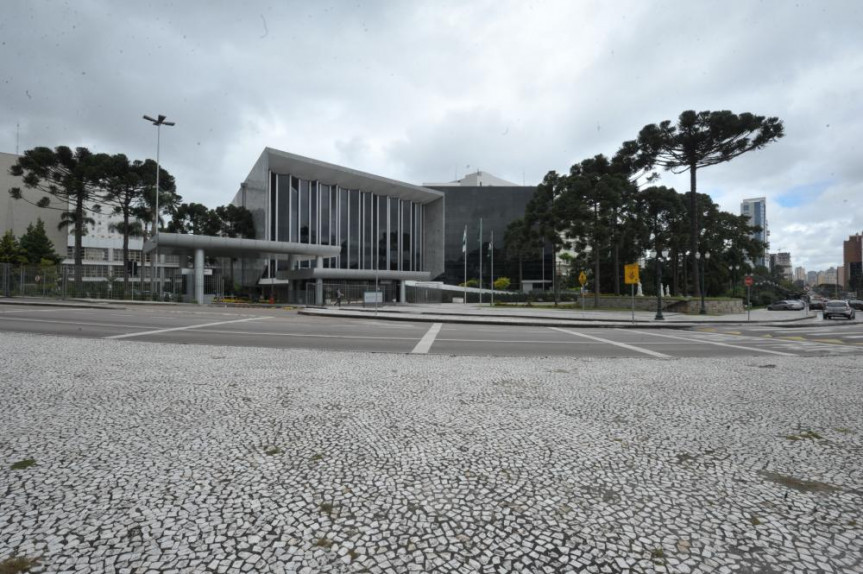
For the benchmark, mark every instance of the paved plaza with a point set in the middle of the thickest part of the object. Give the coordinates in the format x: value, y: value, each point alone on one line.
x: 126, y: 456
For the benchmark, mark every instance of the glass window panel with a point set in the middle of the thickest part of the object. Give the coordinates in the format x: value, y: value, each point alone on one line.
x: 343, y: 227
x: 393, y: 233
x: 354, y: 229
x: 304, y: 211
x: 368, y: 231
x: 283, y: 208
x: 314, y: 202
x: 325, y: 214
x: 295, y: 209
x: 406, y: 236
x: 382, y: 232
x: 271, y: 232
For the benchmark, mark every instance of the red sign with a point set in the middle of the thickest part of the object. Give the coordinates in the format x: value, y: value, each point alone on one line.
x: 748, y: 281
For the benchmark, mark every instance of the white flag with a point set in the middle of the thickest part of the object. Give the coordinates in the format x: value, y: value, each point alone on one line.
x: 464, y: 240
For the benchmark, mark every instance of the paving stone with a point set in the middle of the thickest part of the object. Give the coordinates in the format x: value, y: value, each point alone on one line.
x: 156, y: 457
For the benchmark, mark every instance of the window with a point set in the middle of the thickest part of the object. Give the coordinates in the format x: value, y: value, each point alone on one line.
x: 343, y: 227
x: 295, y: 209
x: 304, y: 211
x: 406, y: 235
x: 325, y: 214
x: 283, y: 208
x: 354, y: 229
x: 381, y: 236
x: 393, y: 233
x: 314, y: 199
x: 368, y: 236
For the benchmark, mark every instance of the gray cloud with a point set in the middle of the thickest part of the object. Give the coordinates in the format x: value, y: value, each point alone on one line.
x: 420, y: 90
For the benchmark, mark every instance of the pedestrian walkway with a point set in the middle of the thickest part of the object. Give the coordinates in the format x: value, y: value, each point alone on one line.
x: 558, y: 317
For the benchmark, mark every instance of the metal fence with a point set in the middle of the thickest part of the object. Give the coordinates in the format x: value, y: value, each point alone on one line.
x: 352, y: 294
x: 58, y: 282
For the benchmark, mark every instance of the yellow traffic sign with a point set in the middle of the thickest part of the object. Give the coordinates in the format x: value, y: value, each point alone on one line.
x: 631, y: 273
x: 582, y: 278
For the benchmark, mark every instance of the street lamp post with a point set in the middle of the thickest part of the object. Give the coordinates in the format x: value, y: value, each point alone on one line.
x: 159, y: 121
x: 702, y: 265
x: 732, y: 272
x: 658, y: 255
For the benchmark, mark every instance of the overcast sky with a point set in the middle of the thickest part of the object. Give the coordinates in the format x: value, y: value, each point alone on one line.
x: 424, y: 91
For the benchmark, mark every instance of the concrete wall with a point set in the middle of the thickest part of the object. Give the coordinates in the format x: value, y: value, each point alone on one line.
x: 17, y: 214
x: 670, y: 304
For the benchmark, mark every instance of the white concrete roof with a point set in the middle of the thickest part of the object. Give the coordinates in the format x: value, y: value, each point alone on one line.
x: 331, y: 174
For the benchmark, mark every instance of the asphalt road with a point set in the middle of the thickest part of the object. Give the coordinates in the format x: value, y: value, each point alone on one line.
x: 287, y: 329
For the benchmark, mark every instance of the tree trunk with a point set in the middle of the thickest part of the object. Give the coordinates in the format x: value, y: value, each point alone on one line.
x: 674, y: 273
x: 520, y: 272
x: 616, y: 269
x: 555, y: 280
x: 125, y: 252
x: 596, y: 279
x: 79, y: 232
x: 693, y: 221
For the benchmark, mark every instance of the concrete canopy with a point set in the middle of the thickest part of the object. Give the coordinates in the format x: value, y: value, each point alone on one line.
x: 236, y: 247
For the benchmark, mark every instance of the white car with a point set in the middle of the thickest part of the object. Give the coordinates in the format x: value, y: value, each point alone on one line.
x: 838, y: 308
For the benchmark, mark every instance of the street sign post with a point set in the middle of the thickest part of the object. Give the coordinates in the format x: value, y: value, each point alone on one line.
x: 748, y: 281
x: 630, y: 275
x: 582, y: 279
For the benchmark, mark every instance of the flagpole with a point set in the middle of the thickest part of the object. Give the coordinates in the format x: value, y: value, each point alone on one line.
x: 491, y: 248
x: 480, y: 260
x: 464, y: 254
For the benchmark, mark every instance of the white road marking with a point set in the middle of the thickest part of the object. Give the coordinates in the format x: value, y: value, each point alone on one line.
x: 718, y: 344
x: 428, y: 339
x: 88, y: 323
x: 615, y: 343
x: 302, y: 335
x: 158, y: 331
x: 54, y: 309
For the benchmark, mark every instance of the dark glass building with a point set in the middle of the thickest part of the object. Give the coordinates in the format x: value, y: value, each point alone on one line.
x: 481, y: 196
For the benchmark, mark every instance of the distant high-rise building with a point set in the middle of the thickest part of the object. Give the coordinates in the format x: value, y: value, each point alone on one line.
x: 782, y: 261
x: 800, y: 274
x: 756, y: 210
x: 812, y: 278
x: 852, y: 259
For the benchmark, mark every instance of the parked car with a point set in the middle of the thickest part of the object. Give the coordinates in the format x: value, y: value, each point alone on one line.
x: 856, y: 304
x: 786, y: 305
x: 838, y: 308
x: 816, y: 304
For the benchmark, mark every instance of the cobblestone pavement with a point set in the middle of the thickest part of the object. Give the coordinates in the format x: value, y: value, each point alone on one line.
x: 123, y: 456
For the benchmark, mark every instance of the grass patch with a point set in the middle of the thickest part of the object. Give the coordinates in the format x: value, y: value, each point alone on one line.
x: 324, y: 543
x: 318, y: 457
x: 17, y: 564
x: 844, y: 430
x: 798, y: 484
x: 22, y: 464
x: 326, y: 507
x: 658, y: 554
x: 807, y: 434
x: 754, y: 520
x: 273, y: 451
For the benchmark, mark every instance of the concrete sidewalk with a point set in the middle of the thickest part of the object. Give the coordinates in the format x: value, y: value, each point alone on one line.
x: 551, y: 317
